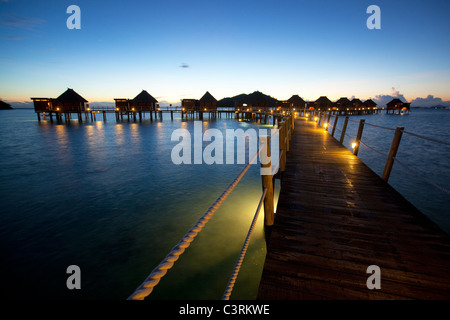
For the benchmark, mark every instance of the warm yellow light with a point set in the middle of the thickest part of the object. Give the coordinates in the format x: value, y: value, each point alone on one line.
x: 353, y: 145
x: 315, y: 119
x: 307, y: 114
x: 57, y: 109
x: 117, y: 109
x: 88, y: 109
x: 183, y: 109
x: 205, y: 109
x: 132, y: 109
x: 326, y: 125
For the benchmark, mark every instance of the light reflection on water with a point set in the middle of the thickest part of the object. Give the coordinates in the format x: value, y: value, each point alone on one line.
x: 107, y: 197
x: 429, y: 159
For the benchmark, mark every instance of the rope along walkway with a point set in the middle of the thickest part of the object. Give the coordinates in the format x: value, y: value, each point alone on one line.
x: 155, y: 276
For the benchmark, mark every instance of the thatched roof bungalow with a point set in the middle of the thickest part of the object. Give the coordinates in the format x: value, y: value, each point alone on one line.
x: 370, y: 104
x: 323, y: 104
x: 207, y: 102
x: 343, y: 104
x: 69, y: 101
x: 296, y: 102
x: 143, y: 102
x: 398, y: 105
x: 356, y: 104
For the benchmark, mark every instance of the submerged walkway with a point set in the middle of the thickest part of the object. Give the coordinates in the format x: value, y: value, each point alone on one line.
x: 335, y: 217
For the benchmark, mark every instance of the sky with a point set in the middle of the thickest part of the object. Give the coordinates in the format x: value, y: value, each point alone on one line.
x: 181, y: 49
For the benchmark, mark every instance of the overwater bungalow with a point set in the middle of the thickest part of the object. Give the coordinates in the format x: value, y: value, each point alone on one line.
x: 296, y: 102
x: 369, y: 103
x: 143, y: 102
x: 207, y: 102
x: 67, y: 102
x: 356, y: 104
x: 397, y: 106
x: 323, y: 104
x: 189, y: 104
x: 343, y: 105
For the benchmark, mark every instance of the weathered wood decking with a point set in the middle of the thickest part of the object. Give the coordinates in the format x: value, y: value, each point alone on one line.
x: 335, y: 217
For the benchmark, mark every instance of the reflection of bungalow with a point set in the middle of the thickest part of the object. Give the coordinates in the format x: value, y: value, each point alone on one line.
x: 398, y: 106
x: 343, y: 104
x: 69, y: 101
x: 207, y: 102
x: 323, y: 104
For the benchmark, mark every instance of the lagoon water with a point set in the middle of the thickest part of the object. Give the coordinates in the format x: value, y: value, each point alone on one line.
x: 106, y: 196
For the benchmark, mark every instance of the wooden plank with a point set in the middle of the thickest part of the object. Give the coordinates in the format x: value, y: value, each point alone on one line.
x: 334, y: 218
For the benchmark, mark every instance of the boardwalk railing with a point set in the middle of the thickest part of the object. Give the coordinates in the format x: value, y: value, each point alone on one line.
x: 267, y: 198
x: 391, y: 157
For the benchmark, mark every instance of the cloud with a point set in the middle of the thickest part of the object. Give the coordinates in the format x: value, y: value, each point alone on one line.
x: 429, y: 101
x: 184, y: 66
x: 382, y: 99
x: 14, y: 21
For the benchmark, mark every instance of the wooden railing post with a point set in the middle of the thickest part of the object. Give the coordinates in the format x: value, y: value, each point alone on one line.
x: 358, y: 136
x: 392, y: 153
x: 282, y: 134
x: 328, y: 120
x: 344, y: 128
x: 267, y: 181
x: 334, y: 125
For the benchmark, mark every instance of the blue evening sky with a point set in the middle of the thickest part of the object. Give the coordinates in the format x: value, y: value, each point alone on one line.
x: 309, y: 48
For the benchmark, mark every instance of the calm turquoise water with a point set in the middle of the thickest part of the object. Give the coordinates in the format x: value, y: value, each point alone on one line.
x: 107, y: 197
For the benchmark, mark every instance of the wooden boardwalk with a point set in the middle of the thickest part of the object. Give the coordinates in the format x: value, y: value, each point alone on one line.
x: 335, y: 217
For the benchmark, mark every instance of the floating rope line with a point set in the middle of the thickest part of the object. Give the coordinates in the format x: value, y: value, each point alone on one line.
x: 155, y: 276
x: 237, y: 267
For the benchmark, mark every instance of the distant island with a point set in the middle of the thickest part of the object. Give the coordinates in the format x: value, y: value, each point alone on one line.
x: 5, y: 106
x: 434, y: 107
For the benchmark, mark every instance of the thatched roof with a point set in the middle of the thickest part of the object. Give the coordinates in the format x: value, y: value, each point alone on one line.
x: 395, y: 101
x: 70, y: 96
x: 343, y: 100
x: 323, y: 101
x: 370, y: 103
x: 296, y: 100
x: 144, y: 96
x: 207, y: 97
